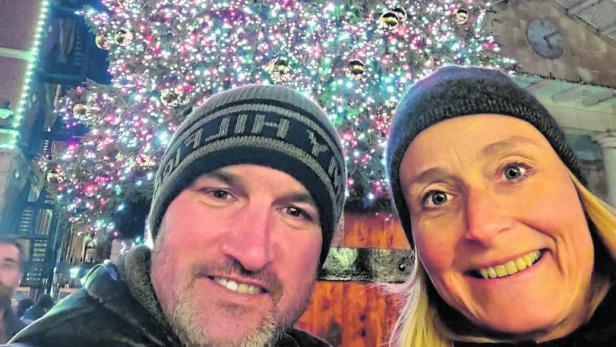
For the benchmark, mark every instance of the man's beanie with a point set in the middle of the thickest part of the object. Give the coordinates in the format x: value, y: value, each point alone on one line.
x: 266, y: 125
x: 454, y: 91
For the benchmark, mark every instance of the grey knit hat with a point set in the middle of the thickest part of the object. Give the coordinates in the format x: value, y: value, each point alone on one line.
x: 454, y: 91
x: 266, y: 125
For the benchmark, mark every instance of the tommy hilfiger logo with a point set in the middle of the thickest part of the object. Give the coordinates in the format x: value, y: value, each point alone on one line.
x: 280, y: 129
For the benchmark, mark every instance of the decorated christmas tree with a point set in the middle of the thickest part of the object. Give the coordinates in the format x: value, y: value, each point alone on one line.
x: 354, y: 58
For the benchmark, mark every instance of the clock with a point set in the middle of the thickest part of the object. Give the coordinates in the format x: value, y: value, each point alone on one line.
x: 545, y: 38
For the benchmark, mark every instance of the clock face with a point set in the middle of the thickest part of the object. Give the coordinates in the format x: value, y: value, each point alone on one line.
x: 545, y: 38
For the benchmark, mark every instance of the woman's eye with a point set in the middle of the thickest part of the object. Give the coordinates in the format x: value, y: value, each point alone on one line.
x: 514, y: 172
x: 435, y: 198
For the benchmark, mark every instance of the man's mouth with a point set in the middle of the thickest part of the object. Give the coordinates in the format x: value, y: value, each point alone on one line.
x: 242, y: 288
x: 509, y: 268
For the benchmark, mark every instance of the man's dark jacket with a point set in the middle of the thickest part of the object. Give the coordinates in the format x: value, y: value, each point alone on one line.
x: 12, y: 323
x: 117, y: 308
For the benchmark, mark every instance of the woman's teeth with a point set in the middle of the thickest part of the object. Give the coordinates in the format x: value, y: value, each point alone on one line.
x: 510, y: 267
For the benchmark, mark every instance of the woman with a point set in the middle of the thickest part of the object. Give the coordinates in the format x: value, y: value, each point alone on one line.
x: 511, y: 248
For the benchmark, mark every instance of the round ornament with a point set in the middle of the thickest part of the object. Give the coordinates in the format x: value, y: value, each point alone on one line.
x: 80, y: 110
x: 401, y: 13
x: 54, y: 176
x: 389, y: 20
x: 172, y: 97
x: 279, y: 69
x: 123, y: 37
x: 281, y: 65
x: 102, y: 42
x: 461, y: 16
x: 356, y: 68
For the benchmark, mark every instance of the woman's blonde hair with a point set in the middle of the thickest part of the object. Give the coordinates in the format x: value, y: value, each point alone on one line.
x: 418, y: 324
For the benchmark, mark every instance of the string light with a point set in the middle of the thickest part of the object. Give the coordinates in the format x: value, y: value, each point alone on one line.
x: 182, y: 51
x: 12, y: 135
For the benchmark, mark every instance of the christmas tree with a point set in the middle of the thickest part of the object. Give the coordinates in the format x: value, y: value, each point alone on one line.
x: 354, y: 58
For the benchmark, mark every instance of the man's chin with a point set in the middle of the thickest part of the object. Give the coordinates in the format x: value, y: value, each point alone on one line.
x: 264, y: 335
x: 198, y: 328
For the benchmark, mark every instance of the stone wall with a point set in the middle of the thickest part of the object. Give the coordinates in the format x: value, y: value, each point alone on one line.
x: 586, y: 57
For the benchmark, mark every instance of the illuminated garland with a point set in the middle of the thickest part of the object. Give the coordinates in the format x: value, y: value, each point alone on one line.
x: 354, y: 58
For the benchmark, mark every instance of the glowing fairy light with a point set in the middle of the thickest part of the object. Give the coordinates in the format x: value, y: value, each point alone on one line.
x: 183, y: 51
x: 31, y: 57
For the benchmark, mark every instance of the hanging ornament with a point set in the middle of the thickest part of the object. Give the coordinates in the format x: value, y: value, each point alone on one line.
x: 389, y: 20
x: 80, y: 110
x: 123, y: 37
x: 461, y: 16
x: 400, y: 12
x: 356, y: 68
x: 279, y: 69
x: 173, y: 97
x: 54, y: 176
x: 102, y: 41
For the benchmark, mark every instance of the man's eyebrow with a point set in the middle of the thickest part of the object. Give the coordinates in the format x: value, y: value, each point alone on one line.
x: 507, y: 144
x: 299, y: 197
x: 222, y: 176
x: 9, y: 259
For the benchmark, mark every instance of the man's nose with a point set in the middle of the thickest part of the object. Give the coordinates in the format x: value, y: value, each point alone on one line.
x: 249, y: 240
x: 486, y: 218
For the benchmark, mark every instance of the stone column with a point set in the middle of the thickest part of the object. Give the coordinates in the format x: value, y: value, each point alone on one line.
x: 607, y: 141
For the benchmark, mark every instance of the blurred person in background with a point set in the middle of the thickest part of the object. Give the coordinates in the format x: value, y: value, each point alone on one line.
x: 11, y: 270
x: 36, y: 311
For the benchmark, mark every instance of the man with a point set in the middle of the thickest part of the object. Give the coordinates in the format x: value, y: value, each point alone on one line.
x: 43, y: 304
x: 246, y: 200
x: 11, y: 262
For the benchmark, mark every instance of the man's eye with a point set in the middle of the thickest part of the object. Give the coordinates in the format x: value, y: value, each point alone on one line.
x: 219, y: 194
x: 513, y: 172
x: 434, y: 199
x: 298, y: 213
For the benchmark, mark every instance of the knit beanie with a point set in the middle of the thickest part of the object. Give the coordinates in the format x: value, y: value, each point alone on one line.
x: 454, y: 91
x: 266, y: 125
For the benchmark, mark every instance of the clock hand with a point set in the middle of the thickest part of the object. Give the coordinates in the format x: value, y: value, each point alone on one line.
x: 548, y: 36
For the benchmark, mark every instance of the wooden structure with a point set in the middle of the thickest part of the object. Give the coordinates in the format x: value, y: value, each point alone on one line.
x: 356, y: 313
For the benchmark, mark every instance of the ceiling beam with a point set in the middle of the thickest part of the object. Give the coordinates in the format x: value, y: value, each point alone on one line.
x: 567, y: 94
x: 608, y: 29
x: 534, y: 87
x: 595, y: 99
x: 580, y: 6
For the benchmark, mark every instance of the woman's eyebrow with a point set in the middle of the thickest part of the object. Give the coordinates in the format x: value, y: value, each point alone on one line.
x: 430, y: 175
x: 506, y: 145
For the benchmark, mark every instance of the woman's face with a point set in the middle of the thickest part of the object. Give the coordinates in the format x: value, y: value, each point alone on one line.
x: 498, y: 225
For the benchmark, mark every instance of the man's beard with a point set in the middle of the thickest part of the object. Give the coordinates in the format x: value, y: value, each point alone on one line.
x: 188, y: 323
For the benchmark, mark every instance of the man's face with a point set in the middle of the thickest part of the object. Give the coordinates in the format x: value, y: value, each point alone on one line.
x: 10, y: 270
x: 236, y: 256
x: 498, y: 224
